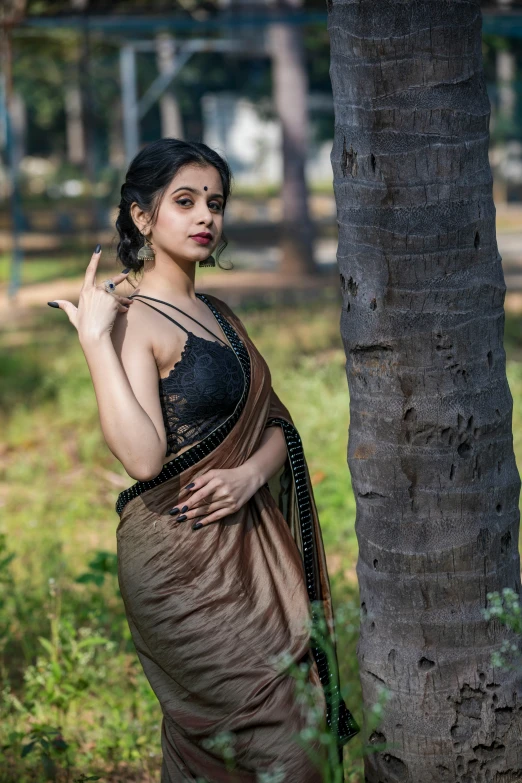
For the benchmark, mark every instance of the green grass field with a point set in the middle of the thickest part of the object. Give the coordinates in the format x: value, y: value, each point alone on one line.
x: 66, y: 656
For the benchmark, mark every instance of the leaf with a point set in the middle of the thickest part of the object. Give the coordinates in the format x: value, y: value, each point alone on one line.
x: 60, y: 744
x: 47, y: 645
x: 88, y: 577
x: 26, y: 749
x: 92, y: 641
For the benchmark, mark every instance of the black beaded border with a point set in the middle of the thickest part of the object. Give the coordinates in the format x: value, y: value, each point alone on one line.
x: 193, y: 455
x: 347, y: 726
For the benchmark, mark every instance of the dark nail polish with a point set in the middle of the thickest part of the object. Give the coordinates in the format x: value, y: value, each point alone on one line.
x: 197, y: 525
x: 185, y: 508
x: 97, y: 248
x: 189, y: 486
x: 124, y: 271
x: 174, y: 511
x: 182, y: 518
x: 53, y: 304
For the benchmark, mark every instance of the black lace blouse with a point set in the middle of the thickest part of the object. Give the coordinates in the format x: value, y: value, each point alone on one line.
x: 202, y: 389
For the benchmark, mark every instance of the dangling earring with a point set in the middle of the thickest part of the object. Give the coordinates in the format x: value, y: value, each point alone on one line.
x: 210, y: 261
x: 146, y: 253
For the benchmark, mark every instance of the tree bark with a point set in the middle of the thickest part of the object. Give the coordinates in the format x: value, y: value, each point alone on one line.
x: 430, y: 440
x: 290, y: 88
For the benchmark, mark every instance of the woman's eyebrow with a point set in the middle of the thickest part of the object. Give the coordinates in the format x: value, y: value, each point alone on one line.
x: 195, y: 190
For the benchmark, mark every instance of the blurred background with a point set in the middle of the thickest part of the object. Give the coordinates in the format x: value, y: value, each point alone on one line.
x: 83, y: 85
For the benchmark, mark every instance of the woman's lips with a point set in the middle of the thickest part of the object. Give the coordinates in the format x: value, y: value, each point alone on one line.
x: 202, y: 240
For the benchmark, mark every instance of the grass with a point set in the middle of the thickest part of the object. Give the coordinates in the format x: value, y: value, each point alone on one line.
x: 68, y: 660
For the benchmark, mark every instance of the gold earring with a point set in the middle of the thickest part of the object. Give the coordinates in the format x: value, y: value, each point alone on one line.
x: 146, y: 252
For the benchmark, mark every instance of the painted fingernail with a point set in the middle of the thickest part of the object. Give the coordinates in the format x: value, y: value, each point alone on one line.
x: 185, y: 508
x: 124, y: 271
x: 182, y: 518
x: 197, y: 525
x: 174, y: 511
x: 54, y: 304
x: 189, y: 486
x: 97, y: 248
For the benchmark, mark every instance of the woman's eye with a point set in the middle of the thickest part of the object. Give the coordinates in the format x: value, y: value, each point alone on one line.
x: 216, y: 205
x: 183, y: 201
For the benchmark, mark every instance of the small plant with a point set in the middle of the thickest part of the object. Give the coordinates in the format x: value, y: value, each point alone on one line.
x: 48, y: 743
x: 6, y: 581
x: 505, y: 607
x: 66, y: 666
x: 103, y: 564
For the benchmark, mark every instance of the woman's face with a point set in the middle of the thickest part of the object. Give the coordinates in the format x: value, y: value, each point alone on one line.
x: 192, y: 204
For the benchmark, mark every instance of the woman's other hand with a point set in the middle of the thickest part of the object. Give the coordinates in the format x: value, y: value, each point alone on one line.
x: 216, y: 494
x: 97, y: 308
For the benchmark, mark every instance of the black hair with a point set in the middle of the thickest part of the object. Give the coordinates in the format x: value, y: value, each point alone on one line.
x: 147, y: 178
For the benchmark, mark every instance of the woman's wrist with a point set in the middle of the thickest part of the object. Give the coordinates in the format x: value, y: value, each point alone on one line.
x: 93, y: 339
x: 253, y: 474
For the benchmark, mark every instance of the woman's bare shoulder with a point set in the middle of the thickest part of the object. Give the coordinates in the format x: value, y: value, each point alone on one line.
x: 132, y: 327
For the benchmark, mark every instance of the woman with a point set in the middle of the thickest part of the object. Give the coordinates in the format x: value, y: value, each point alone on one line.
x: 218, y: 577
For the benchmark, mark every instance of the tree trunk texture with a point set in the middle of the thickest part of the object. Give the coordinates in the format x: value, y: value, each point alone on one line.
x: 290, y: 87
x: 430, y: 440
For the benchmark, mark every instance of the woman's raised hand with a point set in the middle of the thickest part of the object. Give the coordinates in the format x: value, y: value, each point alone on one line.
x: 97, y: 308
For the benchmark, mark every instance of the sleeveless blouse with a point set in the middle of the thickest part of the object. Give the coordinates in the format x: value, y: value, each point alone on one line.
x: 202, y: 389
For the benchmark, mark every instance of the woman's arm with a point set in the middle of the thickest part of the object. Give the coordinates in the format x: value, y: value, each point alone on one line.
x: 124, y: 374
x: 269, y: 457
x: 125, y: 380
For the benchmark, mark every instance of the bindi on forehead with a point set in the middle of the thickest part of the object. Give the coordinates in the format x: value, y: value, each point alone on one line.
x: 205, y: 188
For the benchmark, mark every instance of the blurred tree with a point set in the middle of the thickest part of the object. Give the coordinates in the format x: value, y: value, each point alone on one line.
x: 430, y: 442
x: 290, y: 88
x: 171, y: 120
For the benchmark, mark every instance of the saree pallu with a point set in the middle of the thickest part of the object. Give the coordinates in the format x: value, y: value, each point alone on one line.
x: 212, y: 611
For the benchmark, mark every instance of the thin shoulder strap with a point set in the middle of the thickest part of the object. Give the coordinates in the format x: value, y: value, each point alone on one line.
x: 134, y: 296
x: 165, y: 314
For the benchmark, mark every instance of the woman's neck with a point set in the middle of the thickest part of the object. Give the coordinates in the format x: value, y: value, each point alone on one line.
x: 170, y: 283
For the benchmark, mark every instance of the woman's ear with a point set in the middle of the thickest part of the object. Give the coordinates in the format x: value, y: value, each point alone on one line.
x: 139, y: 217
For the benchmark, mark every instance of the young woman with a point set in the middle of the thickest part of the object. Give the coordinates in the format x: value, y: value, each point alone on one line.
x: 219, y: 576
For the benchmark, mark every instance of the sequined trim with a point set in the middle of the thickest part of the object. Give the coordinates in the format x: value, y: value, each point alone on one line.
x: 196, y: 453
x: 347, y: 726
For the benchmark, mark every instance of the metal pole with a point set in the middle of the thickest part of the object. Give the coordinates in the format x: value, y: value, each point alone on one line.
x: 131, y: 133
x: 12, y: 161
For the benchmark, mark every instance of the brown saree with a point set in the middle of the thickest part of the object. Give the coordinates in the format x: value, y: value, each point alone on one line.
x: 211, y: 610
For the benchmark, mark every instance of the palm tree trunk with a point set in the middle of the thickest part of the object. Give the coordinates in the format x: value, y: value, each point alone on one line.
x: 430, y: 439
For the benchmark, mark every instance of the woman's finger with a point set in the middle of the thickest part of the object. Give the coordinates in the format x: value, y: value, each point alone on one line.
x: 216, y: 516
x: 70, y: 310
x: 202, y: 496
x: 191, y: 489
x: 90, y: 273
x: 117, y: 297
x: 120, y: 277
x: 184, y: 514
x: 123, y: 299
